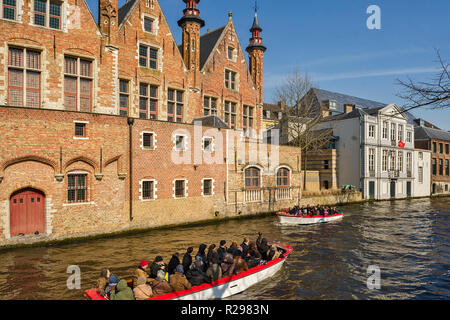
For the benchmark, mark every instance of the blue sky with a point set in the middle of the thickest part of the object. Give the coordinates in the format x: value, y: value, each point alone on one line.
x: 330, y: 41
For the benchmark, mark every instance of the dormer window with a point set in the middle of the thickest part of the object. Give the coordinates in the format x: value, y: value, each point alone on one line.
x: 333, y: 105
x: 148, y: 24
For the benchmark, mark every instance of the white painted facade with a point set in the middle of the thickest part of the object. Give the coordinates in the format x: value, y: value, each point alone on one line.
x: 370, y: 158
x: 422, y: 181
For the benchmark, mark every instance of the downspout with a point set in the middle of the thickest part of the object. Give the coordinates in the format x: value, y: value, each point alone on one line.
x: 130, y: 164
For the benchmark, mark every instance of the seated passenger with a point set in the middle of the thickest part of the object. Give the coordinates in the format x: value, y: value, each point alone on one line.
x: 157, y: 264
x: 160, y: 285
x: 273, y: 253
x: 173, y: 263
x: 222, y: 250
x: 227, y: 265
x: 239, y: 263
x: 178, y: 280
x: 202, y: 255
x: 187, y: 258
x: 214, y: 271
x: 122, y: 292
x: 262, y: 245
x: 100, y: 286
x: 195, y: 274
x: 141, y: 271
x: 212, y: 251
x: 253, y: 257
x: 142, y: 290
x: 233, y: 247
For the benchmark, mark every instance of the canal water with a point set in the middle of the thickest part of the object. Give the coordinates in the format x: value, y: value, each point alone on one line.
x: 408, y: 240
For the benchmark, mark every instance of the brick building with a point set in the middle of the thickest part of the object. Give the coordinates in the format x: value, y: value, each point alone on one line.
x: 96, y: 123
x: 438, y: 142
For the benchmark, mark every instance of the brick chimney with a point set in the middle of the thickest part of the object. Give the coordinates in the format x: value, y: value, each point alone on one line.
x: 348, y: 108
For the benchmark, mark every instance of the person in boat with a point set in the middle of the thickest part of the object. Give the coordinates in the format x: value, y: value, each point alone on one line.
x: 105, y: 273
x: 202, y: 255
x: 212, y: 251
x: 141, y: 271
x: 173, y: 263
x: 245, y: 245
x: 113, y: 281
x: 142, y: 290
x: 214, y: 271
x: 157, y: 264
x: 240, y: 264
x: 222, y: 250
x: 262, y: 245
x: 160, y: 285
x: 187, y: 258
x: 195, y: 274
x: 122, y: 292
x: 233, y: 247
x: 228, y: 265
x: 100, y: 286
x: 178, y: 280
x: 273, y: 252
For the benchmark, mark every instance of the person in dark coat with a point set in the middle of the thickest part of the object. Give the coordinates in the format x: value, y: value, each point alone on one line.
x: 195, y: 275
x: 253, y: 256
x: 244, y: 246
x: 187, y: 258
x: 158, y: 264
x: 263, y: 247
x: 212, y: 251
x: 214, y: 271
x: 173, y: 263
x: 222, y: 250
x: 202, y: 256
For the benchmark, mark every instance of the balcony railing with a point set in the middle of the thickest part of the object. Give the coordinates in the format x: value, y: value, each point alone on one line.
x: 253, y: 195
x: 394, y: 174
x: 372, y: 173
x: 283, y: 194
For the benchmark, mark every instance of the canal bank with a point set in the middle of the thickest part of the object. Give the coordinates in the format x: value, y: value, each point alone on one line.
x: 407, y: 239
x: 331, y: 198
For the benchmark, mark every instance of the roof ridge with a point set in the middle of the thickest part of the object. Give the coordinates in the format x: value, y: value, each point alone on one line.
x: 207, y: 33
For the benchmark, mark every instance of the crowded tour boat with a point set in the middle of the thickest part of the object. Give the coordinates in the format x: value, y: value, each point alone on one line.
x: 309, y: 215
x: 217, y: 273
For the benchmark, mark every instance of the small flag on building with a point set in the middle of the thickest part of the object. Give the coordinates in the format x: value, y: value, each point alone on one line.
x: 401, y: 144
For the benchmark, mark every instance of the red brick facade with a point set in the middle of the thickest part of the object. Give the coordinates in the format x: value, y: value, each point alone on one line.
x: 100, y: 165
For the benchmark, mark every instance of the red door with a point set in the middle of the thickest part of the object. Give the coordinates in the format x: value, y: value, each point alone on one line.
x: 27, y: 210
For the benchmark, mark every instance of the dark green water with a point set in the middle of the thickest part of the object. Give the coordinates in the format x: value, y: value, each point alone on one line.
x: 408, y: 240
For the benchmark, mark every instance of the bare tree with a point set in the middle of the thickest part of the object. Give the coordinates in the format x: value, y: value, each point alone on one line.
x: 299, y: 124
x: 435, y: 94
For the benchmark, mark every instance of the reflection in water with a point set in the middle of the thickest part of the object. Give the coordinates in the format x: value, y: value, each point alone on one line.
x: 408, y: 240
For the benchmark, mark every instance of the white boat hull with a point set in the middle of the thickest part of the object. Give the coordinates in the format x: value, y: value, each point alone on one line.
x: 296, y: 220
x: 229, y: 286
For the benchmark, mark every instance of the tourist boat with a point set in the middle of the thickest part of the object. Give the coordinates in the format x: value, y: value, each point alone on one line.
x: 227, y: 286
x: 286, y: 218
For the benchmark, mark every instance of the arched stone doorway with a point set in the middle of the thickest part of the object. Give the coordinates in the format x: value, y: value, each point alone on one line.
x: 27, y: 212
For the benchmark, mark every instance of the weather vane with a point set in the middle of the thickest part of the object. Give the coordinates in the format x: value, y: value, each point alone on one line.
x: 256, y: 6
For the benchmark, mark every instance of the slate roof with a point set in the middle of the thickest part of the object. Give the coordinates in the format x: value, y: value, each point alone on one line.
x: 211, y: 121
x: 430, y: 133
x: 207, y: 44
x: 341, y: 99
x: 123, y: 10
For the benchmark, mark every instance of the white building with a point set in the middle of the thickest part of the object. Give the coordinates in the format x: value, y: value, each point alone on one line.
x: 370, y: 155
x: 422, y: 181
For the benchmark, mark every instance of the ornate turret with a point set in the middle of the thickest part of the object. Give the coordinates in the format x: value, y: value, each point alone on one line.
x: 191, y: 24
x: 256, y: 51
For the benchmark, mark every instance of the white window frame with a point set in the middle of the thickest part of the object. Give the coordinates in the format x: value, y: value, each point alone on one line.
x: 141, y: 140
x: 211, y: 149
x: 185, y: 188
x: 141, y: 188
x: 212, y: 187
x: 155, y: 24
x: 371, y: 131
x: 85, y: 131
x: 185, y: 140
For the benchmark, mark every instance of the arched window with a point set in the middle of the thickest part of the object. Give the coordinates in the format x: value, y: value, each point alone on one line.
x: 283, y: 176
x: 252, y: 177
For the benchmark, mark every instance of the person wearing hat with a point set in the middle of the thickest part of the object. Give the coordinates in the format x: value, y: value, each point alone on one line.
x: 157, y: 264
x: 141, y: 271
x: 122, y: 292
x: 113, y: 281
x: 142, y: 291
x: 178, y: 280
x: 222, y: 251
